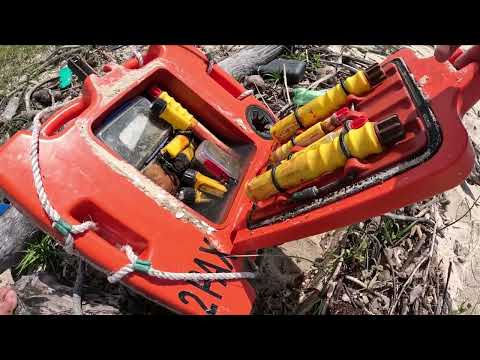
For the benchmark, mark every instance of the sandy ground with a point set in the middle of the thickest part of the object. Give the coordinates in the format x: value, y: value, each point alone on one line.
x: 461, y: 242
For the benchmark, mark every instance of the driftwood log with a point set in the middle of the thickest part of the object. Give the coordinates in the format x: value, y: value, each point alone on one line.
x: 40, y: 293
x: 247, y: 60
x: 10, y: 109
x: 15, y: 231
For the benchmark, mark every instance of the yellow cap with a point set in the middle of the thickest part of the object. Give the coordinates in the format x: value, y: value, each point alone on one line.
x: 175, y: 146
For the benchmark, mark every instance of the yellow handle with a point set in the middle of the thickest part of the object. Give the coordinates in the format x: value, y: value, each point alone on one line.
x: 209, y: 185
x: 175, y: 114
x: 311, y: 164
x: 320, y: 107
x: 201, y: 198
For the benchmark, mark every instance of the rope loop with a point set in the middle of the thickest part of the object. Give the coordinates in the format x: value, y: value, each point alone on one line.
x: 145, y: 267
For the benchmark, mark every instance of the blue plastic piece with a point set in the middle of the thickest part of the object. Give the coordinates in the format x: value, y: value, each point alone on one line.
x: 4, y: 208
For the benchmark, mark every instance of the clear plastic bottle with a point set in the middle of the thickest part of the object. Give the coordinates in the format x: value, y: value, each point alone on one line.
x: 217, y: 162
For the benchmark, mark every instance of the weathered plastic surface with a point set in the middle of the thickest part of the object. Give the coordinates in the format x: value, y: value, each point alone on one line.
x: 87, y: 180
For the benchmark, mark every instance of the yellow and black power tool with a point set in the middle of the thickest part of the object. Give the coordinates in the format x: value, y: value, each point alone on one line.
x: 205, y: 184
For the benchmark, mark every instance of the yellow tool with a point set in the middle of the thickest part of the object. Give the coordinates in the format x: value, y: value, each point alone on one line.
x: 176, y: 146
x: 324, y: 105
x: 183, y: 160
x: 191, y: 196
x: 175, y: 114
x: 168, y: 109
x: 307, y: 137
x: 367, y: 140
x: 198, y: 181
x: 189, y: 152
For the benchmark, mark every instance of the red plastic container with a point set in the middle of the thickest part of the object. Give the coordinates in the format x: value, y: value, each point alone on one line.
x: 86, y: 180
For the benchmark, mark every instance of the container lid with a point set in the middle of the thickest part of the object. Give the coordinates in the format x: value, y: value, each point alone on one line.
x: 131, y: 132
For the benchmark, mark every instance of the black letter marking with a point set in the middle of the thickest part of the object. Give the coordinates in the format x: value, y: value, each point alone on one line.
x: 184, y: 294
x: 221, y: 255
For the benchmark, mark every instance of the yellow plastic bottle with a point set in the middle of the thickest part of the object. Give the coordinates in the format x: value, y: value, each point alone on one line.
x: 324, y: 105
x: 311, y: 164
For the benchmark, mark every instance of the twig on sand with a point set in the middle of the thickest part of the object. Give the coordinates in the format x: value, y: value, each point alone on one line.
x: 409, y: 280
x: 446, y: 287
x: 461, y: 217
x: 286, y: 84
x: 263, y: 100
x: 334, y: 63
x: 407, y: 218
x: 430, y: 253
x: 77, y: 289
x: 327, y: 77
x: 332, y: 283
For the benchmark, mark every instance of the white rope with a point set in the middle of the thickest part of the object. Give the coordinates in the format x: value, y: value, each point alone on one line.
x: 173, y: 276
x: 87, y: 225
x: 37, y: 177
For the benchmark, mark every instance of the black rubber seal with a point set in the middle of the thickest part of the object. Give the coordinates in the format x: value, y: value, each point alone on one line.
x: 297, y: 119
x: 347, y: 125
x: 343, y: 146
x: 259, y: 120
x: 344, y: 87
x: 274, y: 180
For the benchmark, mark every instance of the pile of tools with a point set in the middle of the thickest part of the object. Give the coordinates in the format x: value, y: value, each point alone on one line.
x: 162, y: 139
x: 319, y: 137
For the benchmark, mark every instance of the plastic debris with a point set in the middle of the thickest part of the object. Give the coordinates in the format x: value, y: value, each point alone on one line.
x: 301, y: 96
x: 65, y: 75
x: 295, y: 69
x: 4, y: 208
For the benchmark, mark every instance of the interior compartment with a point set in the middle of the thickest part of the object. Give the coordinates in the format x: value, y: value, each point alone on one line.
x: 140, y: 149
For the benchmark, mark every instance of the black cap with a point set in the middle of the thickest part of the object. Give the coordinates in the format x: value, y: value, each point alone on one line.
x: 390, y: 130
x: 158, y: 107
x: 188, y: 177
x: 181, y: 163
x: 187, y: 195
x: 375, y: 74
